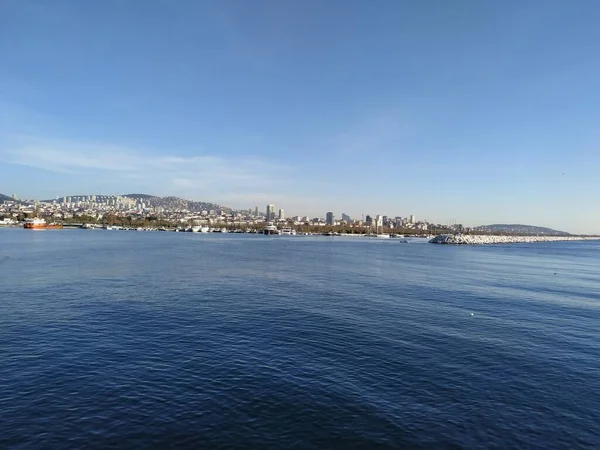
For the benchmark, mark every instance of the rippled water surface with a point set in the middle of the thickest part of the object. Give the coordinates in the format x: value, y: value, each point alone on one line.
x: 148, y: 340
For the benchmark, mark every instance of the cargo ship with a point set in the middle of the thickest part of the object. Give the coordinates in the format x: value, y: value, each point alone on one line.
x: 40, y: 224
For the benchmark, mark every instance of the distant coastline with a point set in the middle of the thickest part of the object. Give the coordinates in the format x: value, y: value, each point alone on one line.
x: 144, y: 210
x: 444, y: 239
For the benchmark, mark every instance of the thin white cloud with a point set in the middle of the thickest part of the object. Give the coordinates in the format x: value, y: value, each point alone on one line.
x: 179, y: 174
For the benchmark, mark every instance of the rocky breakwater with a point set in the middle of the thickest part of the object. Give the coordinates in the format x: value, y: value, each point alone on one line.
x: 468, y: 239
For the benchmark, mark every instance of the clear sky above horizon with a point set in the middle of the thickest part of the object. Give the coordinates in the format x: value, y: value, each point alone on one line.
x: 475, y: 112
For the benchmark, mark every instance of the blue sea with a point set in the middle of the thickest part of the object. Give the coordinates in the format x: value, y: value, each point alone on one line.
x: 118, y: 339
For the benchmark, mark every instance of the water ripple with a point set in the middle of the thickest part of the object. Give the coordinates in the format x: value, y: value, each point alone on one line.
x: 157, y: 340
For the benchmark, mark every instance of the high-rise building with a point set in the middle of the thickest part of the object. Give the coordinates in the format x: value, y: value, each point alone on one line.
x: 329, y: 218
x: 256, y: 211
x: 270, y: 213
x: 346, y: 218
x: 281, y: 214
x: 413, y: 219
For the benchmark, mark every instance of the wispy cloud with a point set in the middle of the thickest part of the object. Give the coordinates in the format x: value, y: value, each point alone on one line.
x: 185, y: 175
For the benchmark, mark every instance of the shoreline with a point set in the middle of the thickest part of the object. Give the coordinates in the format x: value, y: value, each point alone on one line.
x: 466, y: 239
x: 441, y: 239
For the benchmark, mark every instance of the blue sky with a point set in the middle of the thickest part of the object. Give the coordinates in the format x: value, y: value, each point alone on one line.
x: 478, y: 112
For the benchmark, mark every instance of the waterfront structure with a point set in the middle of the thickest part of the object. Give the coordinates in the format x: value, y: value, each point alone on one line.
x: 330, y: 219
x: 465, y: 239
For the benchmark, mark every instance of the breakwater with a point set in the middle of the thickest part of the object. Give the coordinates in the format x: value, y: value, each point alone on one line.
x: 468, y: 239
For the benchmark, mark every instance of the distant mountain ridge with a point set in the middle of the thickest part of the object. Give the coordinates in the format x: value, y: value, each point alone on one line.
x: 520, y: 229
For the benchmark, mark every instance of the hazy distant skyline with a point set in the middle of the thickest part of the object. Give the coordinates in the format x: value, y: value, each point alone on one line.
x: 482, y: 112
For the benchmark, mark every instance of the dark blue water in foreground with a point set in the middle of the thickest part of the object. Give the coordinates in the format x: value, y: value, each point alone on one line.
x: 152, y: 340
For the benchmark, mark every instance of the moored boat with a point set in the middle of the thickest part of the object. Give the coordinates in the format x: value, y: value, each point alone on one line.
x: 40, y: 224
x: 271, y: 229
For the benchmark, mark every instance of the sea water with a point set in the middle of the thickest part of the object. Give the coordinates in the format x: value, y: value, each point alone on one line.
x: 150, y: 340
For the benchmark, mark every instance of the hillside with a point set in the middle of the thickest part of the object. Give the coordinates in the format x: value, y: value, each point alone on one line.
x: 520, y: 229
x: 177, y: 203
x: 140, y: 196
x: 171, y: 203
x: 5, y: 198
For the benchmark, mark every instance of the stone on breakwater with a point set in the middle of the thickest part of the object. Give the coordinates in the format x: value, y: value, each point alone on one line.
x: 461, y: 239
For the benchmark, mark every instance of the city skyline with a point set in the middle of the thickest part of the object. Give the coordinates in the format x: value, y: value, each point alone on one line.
x: 123, y: 198
x: 269, y: 214
x: 274, y: 212
x: 85, y: 211
x: 483, y: 113
x: 146, y: 212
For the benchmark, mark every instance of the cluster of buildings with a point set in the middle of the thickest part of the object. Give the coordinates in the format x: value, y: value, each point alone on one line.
x: 99, y: 208
x: 70, y: 208
x: 102, y: 208
x: 373, y: 222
